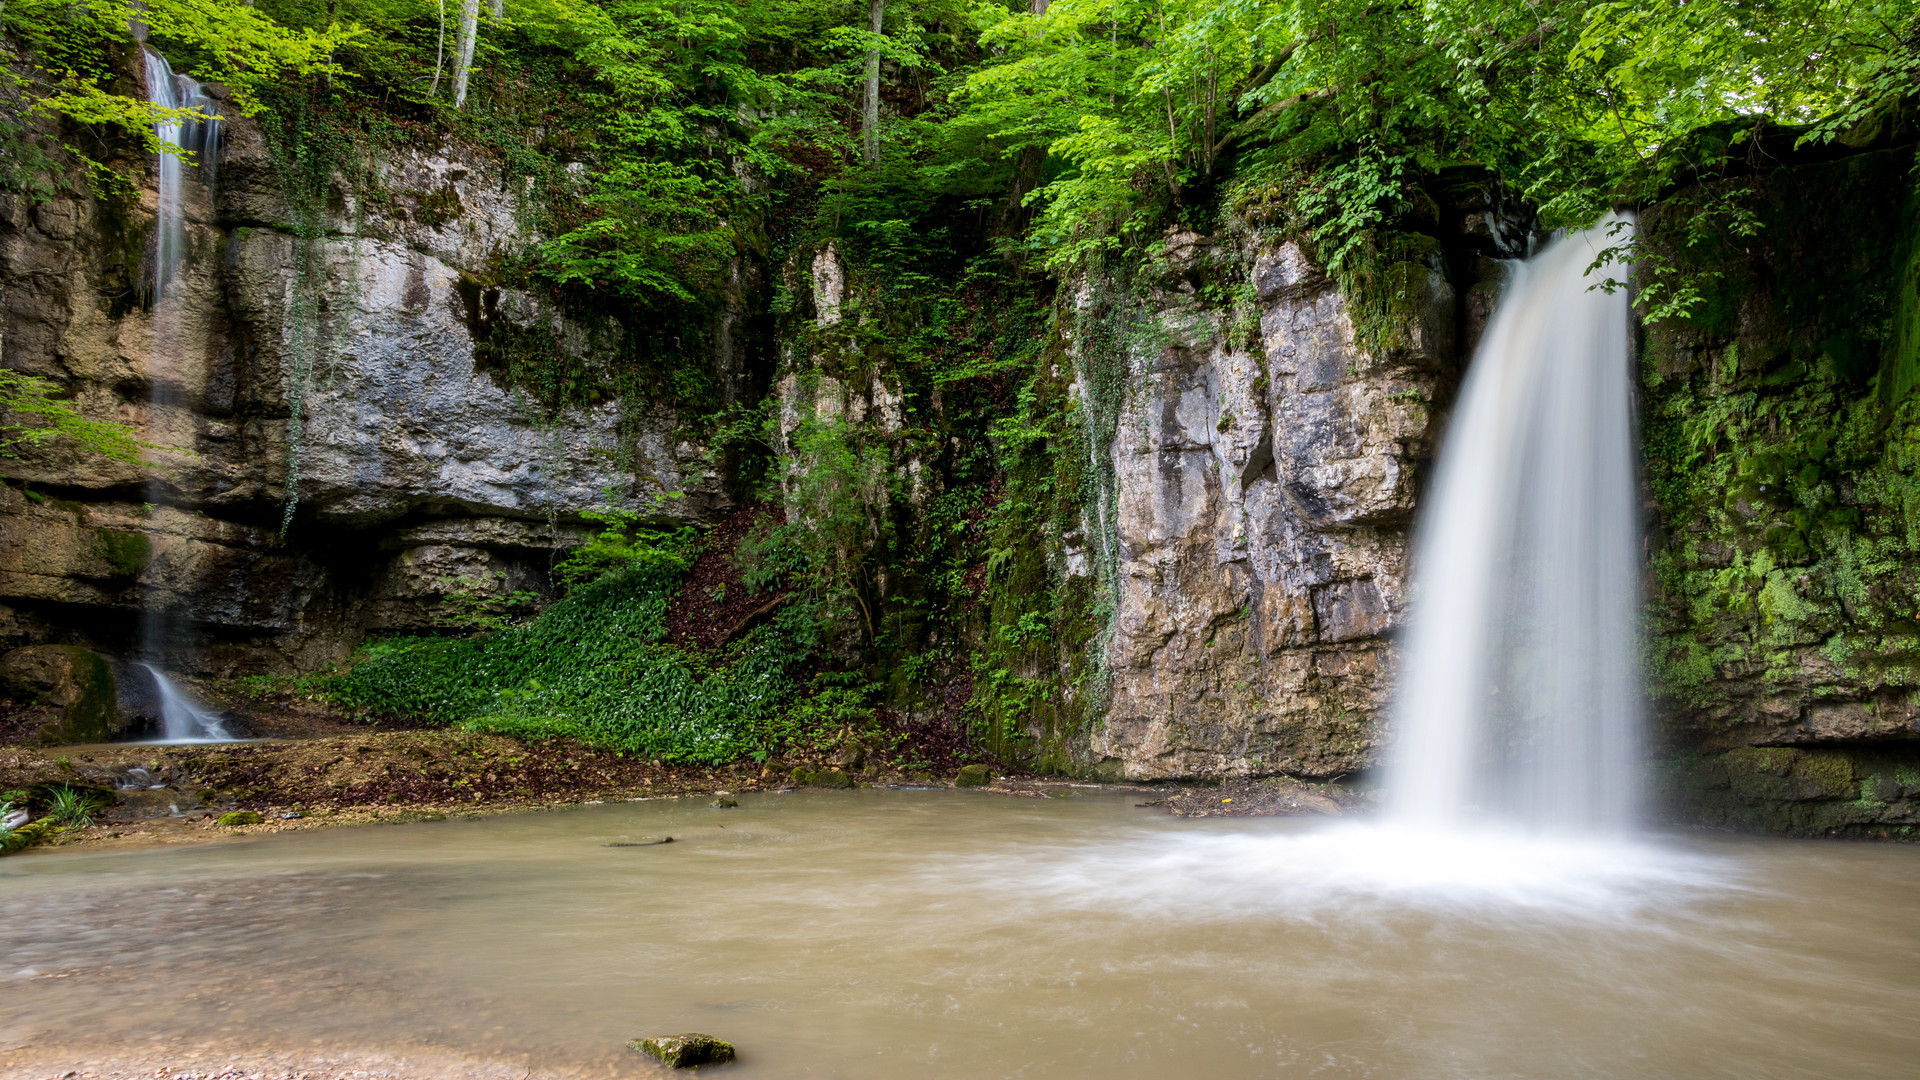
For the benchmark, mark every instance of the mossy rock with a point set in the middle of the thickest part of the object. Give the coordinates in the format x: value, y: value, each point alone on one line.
x: 239, y: 817
x: 27, y: 835
x: 126, y: 553
x: 724, y: 802
x: 685, y: 1051
x: 830, y: 778
x: 76, y: 682
x: 973, y: 776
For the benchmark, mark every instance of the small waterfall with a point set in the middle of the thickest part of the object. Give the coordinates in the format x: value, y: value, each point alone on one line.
x: 183, y: 718
x: 1518, y: 695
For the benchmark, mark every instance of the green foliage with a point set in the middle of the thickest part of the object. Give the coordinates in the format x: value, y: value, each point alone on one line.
x: 1575, y: 102
x: 34, y: 416
x: 596, y: 667
x: 66, y: 68
x: 623, y: 544
x: 70, y: 806
x: 841, y: 485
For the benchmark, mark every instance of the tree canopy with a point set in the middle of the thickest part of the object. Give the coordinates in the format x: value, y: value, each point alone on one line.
x: 1075, y: 125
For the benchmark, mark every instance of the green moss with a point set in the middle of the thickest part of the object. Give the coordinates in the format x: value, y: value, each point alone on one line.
x: 127, y: 553
x: 439, y: 207
x: 239, y: 817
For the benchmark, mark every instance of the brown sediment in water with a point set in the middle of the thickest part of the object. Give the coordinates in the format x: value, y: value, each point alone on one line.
x: 945, y: 934
x: 212, y: 1061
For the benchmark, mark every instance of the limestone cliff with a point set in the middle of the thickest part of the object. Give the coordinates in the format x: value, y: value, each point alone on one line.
x: 344, y: 358
x: 1779, y: 424
x: 1266, y: 488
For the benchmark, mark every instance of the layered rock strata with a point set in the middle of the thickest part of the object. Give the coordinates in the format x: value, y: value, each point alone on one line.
x: 337, y: 372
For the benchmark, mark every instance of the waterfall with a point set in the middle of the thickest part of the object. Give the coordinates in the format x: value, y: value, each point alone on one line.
x: 201, y: 139
x: 183, y: 719
x: 1518, y: 695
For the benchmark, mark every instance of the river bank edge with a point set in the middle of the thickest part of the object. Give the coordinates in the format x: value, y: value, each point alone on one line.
x: 151, y: 795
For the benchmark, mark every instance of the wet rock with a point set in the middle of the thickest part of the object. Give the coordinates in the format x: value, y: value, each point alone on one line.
x: 74, y: 686
x: 826, y: 778
x: 973, y: 776
x: 685, y: 1051
x: 239, y: 817
x: 724, y: 802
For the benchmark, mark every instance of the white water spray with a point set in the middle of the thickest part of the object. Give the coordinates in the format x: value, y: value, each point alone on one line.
x: 1518, y: 700
x: 183, y: 719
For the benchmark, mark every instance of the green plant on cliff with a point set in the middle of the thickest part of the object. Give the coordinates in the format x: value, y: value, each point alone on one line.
x: 63, y: 57
x: 31, y: 415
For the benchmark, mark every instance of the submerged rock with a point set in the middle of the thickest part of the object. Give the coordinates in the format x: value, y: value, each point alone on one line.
x: 724, y: 802
x: 973, y: 776
x: 685, y: 1051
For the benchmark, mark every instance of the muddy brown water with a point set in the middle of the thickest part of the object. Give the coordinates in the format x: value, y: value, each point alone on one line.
x: 941, y: 933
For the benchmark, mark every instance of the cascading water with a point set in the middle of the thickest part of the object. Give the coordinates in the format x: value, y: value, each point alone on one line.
x: 184, y: 720
x: 191, y: 143
x: 198, y: 139
x: 1517, y: 699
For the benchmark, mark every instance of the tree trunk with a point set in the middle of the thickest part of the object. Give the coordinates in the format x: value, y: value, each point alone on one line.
x: 463, y: 63
x: 439, y: 51
x: 870, y: 115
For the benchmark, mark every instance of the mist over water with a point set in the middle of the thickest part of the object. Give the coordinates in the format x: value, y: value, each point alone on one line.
x: 1518, y: 697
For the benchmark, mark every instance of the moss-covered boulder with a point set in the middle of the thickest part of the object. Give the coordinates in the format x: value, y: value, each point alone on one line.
x: 685, y: 1051
x: 973, y: 776
x: 247, y: 817
x: 826, y: 778
x: 73, y: 688
x: 24, y: 837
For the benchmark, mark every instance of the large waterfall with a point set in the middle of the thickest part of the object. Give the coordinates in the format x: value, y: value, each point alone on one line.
x: 189, y: 151
x: 1518, y: 697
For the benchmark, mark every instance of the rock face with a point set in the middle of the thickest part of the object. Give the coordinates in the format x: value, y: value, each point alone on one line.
x: 1265, y: 485
x: 346, y: 374
x: 71, y: 693
x: 1779, y: 421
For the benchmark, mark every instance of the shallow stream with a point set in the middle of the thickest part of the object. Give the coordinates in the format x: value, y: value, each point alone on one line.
x: 942, y: 933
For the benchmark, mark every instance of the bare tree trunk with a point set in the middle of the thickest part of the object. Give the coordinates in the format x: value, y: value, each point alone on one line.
x: 439, y: 52
x: 463, y: 63
x: 499, y: 10
x: 870, y: 133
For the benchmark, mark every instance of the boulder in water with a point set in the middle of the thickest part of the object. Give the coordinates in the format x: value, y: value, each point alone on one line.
x: 685, y: 1051
x: 973, y: 776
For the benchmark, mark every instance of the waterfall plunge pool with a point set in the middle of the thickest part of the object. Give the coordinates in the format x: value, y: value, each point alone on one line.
x: 939, y: 933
